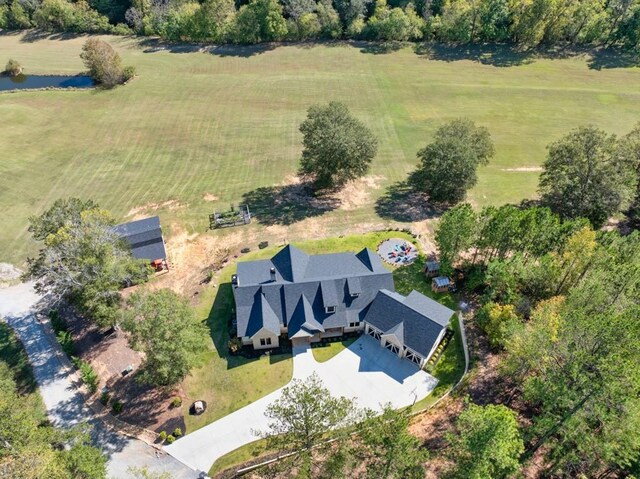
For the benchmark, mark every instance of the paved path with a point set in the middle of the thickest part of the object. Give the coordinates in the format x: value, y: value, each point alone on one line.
x: 65, y: 405
x: 365, y: 371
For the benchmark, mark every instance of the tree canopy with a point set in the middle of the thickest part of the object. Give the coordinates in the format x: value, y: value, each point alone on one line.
x: 337, y: 146
x: 303, y: 417
x: 585, y: 176
x: 448, y: 165
x: 82, y: 259
x: 486, y: 444
x: 165, y: 328
x: 104, y: 63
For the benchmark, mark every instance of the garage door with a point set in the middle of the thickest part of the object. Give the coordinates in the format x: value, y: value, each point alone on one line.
x: 374, y: 333
x: 392, y: 347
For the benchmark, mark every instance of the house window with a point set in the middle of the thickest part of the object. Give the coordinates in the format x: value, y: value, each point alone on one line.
x: 355, y: 295
x: 330, y: 309
x: 265, y: 341
x: 354, y: 325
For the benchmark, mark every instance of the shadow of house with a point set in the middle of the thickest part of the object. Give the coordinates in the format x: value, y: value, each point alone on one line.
x: 402, y: 202
x: 285, y: 205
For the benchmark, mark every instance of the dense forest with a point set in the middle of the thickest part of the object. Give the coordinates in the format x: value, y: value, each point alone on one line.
x: 528, y: 23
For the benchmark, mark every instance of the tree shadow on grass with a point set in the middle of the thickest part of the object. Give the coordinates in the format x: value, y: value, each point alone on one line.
x: 605, y: 58
x: 402, y: 202
x: 32, y: 36
x: 153, y: 45
x: 495, y: 55
x: 379, y: 48
x: 285, y: 205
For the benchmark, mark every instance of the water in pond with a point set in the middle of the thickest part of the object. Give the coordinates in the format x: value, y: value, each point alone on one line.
x: 28, y: 82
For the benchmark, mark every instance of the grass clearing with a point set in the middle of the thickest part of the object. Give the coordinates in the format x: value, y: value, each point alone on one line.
x: 195, y: 124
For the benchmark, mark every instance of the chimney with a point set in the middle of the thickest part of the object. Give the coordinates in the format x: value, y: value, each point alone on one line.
x: 273, y: 273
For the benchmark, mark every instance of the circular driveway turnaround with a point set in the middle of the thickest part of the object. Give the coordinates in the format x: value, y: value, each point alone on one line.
x: 398, y: 252
x: 367, y: 372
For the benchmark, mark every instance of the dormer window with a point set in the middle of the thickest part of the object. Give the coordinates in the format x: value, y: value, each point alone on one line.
x: 330, y: 309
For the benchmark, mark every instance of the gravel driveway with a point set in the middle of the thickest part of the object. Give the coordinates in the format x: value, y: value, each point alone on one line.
x: 64, y: 403
x: 365, y: 371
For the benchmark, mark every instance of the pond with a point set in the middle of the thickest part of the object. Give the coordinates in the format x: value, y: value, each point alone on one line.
x: 29, y: 82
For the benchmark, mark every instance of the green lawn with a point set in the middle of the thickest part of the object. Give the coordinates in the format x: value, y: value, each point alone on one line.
x: 226, y: 123
x: 326, y: 352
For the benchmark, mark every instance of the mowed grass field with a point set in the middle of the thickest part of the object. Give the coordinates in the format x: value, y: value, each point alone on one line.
x: 224, y: 122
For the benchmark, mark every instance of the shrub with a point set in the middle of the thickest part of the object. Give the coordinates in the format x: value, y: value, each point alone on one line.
x: 57, y: 323
x: 104, y: 398
x: 176, y: 402
x: 66, y: 342
x: 162, y: 436
x: 170, y: 439
x: 235, y: 344
x: 117, y: 407
x: 13, y: 68
x: 128, y: 73
x: 177, y: 432
x: 88, y: 374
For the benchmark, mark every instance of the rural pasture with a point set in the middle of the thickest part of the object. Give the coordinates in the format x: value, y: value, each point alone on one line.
x: 200, y: 128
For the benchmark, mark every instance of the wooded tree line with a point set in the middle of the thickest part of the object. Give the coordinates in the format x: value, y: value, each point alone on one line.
x: 524, y: 22
x: 560, y: 301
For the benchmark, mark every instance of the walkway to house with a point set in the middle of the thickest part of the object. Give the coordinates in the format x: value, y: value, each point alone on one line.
x: 365, y: 371
x: 65, y: 405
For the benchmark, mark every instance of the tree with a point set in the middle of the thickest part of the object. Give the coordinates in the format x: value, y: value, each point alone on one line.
x: 260, y: 21
x: 498, y: 321
x: 304, y: 416
x: 104, y: 63
x: 448, y: 164
x: 82, y: 259
x: 337, y: 147
x: 13, y: 68
x: 487, y: 443
x: 387, y: 448
x: 629, y: 150
x: 165, y: 328
x: 577, y: 363
x: 584, y: 177
x: 455, y: 235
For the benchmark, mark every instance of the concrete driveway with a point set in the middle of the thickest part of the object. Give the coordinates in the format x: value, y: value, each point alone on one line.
x: 65, y: 405
x: 365, y: 371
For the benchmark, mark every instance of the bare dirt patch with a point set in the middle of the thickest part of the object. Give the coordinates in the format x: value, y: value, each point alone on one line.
x: 140, y: 212
x: 209, y: 197
x: 357, y: 193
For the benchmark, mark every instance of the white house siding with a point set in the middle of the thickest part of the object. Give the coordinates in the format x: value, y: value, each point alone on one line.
x: 264, y: 334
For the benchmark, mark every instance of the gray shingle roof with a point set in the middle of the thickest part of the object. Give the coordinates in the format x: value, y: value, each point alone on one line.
x: 419, y: 330
x: 145, y: 238
x: 324, y: 279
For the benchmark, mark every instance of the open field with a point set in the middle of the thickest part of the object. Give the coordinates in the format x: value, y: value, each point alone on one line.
x: 207, y: 128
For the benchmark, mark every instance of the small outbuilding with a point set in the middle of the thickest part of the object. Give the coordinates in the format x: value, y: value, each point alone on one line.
x: 431, y: 268
x: 146, y: 241
x: 440, y: 284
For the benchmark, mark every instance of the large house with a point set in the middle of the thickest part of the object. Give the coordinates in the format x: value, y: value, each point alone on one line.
x: 310, y: 297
